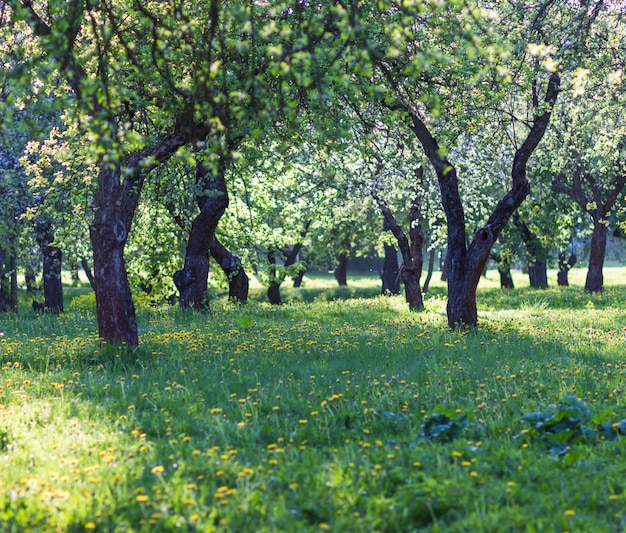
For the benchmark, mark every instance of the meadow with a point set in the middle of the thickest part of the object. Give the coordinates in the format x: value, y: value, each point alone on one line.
x: 339, y: 411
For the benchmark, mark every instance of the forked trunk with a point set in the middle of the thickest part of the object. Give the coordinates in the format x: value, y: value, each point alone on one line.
x: 595, y: 277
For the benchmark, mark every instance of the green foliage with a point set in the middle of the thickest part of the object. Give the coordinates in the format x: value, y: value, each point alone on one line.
x: 439, y: 427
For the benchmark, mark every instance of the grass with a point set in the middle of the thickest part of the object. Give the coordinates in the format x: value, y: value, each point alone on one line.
x: 318, y: 415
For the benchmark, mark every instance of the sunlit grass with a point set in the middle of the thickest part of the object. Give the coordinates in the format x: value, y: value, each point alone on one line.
x: 309, y: 416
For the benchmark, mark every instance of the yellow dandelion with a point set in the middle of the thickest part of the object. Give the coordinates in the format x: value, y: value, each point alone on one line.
x: 142, y: 498
x: 159, y: 469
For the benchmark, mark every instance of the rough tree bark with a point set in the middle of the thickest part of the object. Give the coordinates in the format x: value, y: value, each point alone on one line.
x: 598, y: 205
x: 465, y: 264
x: 191, y: 280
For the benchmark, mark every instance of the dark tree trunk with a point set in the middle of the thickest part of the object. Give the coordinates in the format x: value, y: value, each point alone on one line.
x: 115, y: 309
x: 297, y: 279
x: 410, y: 248
x: 52, y: 261
x: 506, y: 279
x: 390, y: 275
x: 565, y: 265
x: 87, y: 269
x: 238, y: 283
x: 537, y: 268
x: 602, y: 199
x: 191, y: 280
x: 465, y: 264
x: 431, y: 267
x: 538, y: 274
x: 595, y: 277
x: 117, y: 196
x: 504, y: 269
x: 341, y: 269
x: 273, y: 291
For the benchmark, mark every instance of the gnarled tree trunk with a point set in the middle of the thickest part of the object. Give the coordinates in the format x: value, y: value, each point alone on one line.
x: 465, y: 264
x: 191, y: 281
x: 238, y: 283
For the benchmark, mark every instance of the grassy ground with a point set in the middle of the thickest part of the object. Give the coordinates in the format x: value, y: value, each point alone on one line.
x: 340, y: 415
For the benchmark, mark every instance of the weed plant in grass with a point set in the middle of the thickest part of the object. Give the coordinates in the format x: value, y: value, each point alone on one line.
x: 314, y: 416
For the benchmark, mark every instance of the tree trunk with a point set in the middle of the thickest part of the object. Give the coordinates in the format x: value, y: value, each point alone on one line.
x: 238, y: 283
x: 390, y: 275
x: 115, y: 309
x: 273, y: 291
x: 297, y: 279
x: 410, y: 248
x: 85, y: 264
x: 191, y: 281
x: 431, y: 267
x: 30, y: 276
x: 341, y: 269
x: 538, y: 253
x: 465, y: 265
x: 595, y: 277
x: 506, y: 279
x: 52, y: 262
x: 565, y: 265
x: 538, y: 274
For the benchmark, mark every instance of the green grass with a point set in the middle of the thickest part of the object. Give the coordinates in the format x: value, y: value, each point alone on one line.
x: 309, y: 416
